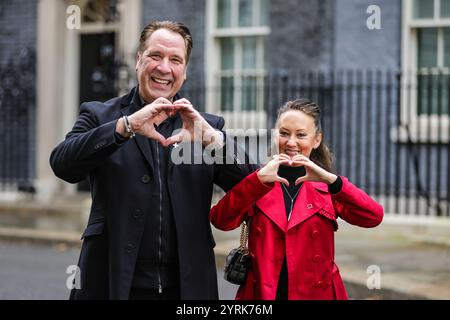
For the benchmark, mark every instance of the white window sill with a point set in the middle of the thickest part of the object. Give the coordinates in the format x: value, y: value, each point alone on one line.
x: 424, y: 129
x: 244, y: 119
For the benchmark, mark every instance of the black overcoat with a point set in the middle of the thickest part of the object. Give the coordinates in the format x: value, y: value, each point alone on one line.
x: 120, y: 177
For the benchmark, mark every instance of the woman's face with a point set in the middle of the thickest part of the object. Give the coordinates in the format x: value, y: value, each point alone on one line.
x: 297, y: 134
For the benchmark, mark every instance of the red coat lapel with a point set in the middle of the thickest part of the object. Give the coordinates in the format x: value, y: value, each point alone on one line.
x: 272, y: 205
x: 310, y: 201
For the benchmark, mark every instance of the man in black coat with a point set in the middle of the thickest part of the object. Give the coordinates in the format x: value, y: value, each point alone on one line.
x: 148, y: 234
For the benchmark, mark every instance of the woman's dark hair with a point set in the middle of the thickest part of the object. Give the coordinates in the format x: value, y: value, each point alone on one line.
x: 322, y: 155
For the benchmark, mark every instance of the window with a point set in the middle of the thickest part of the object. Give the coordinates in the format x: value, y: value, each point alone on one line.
x: 426, y: 69
x: 236, y: 57
x: 433, y: 55
x: 433, y: 46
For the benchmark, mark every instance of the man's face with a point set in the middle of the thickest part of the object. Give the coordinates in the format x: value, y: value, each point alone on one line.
x: 161, y: 68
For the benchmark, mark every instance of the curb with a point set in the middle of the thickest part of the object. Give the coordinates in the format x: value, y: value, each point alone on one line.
x: 40, y: 236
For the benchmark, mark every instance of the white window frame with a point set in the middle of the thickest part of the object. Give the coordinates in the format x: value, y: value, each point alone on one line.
x: 422, y: 128
x: 236, y: 119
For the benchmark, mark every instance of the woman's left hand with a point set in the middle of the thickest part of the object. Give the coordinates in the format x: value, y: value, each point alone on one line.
x: 313, y: 171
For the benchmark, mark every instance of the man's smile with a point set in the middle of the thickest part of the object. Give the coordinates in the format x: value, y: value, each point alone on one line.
x: 161, y: 81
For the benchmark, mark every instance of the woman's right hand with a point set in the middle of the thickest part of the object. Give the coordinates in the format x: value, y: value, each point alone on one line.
x: 269, y: 173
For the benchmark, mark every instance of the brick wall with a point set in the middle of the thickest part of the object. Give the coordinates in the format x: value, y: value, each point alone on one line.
x: 301, y: 36
x: 18, y: 28
x: 356, y: 46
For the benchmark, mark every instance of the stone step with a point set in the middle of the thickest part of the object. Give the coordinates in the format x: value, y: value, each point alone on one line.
x: 63, y: 214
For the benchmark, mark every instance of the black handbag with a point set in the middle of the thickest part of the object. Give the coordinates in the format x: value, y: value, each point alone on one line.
x: 238, y: 260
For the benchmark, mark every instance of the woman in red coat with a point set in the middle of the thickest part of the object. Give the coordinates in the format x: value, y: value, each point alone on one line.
x: 293, y: 203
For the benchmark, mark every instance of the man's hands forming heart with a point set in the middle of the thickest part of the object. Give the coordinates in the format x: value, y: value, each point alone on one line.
x: 194, y: 125
x: 143, y: 121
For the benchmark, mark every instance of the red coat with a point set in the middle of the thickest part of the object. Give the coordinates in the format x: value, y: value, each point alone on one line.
x: 307, y: 240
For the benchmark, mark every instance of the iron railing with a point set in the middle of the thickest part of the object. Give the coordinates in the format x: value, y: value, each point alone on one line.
x: 389, y: 131
x: 17, y: 123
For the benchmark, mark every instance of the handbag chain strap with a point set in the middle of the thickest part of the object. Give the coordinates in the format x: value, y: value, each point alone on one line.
x: 244, y: 238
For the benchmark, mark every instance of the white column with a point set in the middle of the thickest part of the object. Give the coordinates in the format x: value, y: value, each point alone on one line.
x: 50, y: 29
x: 130, y: 29
x: 129, y: 33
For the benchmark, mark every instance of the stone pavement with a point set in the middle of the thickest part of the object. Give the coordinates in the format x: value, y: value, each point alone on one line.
x: 412, y: 255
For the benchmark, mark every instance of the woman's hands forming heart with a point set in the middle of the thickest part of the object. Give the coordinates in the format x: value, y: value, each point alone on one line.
x: 269, y: 173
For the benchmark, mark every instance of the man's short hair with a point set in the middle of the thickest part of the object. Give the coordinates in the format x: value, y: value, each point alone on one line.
x: 177, y: 27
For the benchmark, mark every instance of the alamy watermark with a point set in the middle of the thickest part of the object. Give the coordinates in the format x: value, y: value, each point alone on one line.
x: 73, y: 21
x: 374, y: 280
x: 73, y: 281
x: 373, y: 22
x: 240, y: 147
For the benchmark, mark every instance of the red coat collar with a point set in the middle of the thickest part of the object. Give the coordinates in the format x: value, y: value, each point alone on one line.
x: 311, y: 199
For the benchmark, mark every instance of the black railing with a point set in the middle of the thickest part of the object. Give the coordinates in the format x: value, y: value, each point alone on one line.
x: 386, y: 137
x: 389, y: 131
x: 17, y: 123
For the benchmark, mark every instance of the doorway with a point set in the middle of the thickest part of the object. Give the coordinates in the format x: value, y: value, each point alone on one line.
x: 97, y: 80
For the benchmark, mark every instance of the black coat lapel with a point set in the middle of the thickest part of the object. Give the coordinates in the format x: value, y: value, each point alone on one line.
x: 141, y: 141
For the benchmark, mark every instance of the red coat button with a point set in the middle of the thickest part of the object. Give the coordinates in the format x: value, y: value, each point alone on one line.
x: 316, y: 258
x: 318, y: 284
x: 314, y: 234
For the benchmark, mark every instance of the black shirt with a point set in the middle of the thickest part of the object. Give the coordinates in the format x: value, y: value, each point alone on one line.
x: 290, y: 192
x: 157, y: 262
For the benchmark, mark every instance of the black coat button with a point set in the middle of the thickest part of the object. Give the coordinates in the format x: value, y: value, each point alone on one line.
x: 129, y: 248
x: 145, y: 178
x: 100, y: 144
x: 137, y: 214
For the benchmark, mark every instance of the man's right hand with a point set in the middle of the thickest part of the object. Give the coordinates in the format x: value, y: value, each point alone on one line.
x: 142, y: 121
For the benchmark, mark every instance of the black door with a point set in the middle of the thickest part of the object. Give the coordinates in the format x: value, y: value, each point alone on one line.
x: 97, y: 72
